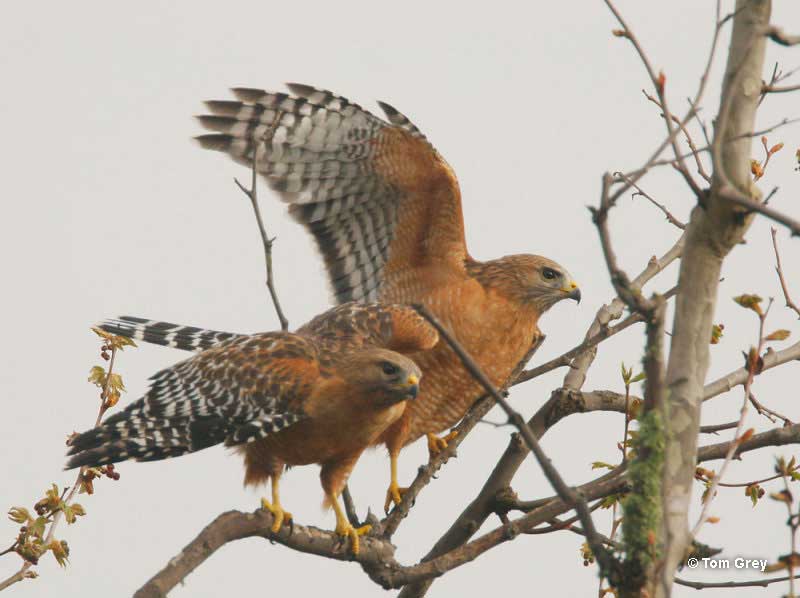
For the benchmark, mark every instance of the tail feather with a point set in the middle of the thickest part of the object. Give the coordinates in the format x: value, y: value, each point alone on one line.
x: 136, y: 437
x: 187, y: 338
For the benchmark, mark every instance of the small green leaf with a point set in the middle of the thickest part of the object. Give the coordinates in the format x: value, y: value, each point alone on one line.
x: 97, y: 376
x: 60, y: 551
x: 115, y: 383
x: 749, y: 301
x: 19, y: 515
x: 602, y: 465
x: 778, y: 335
x: 37, y: 528
x: 120, y: 342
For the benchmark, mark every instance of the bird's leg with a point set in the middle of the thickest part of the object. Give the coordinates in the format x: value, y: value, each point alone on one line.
x: 344, y: 527
x: 279, y: 515
x: 395, y: 493
x: 436, y: 445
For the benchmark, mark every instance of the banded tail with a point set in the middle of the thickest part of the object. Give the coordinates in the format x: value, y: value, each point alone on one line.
x: 178, y: 336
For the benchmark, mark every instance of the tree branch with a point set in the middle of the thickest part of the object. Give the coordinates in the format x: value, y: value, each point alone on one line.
x: 779, y: 36
x: 252, y: 194
x: 714, y: 229
x: 608, y: 563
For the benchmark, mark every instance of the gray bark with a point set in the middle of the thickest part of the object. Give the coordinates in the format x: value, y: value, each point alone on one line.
x: 714, y: 229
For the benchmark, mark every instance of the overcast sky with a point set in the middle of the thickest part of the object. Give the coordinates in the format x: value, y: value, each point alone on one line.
x: 109, y: 209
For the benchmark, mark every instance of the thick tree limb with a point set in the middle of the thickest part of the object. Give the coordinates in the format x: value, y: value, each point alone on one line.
x: 377, y: 555
x: 712, y: 232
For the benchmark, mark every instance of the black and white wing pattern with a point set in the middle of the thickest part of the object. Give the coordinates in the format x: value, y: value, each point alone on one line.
x: 237, y: 391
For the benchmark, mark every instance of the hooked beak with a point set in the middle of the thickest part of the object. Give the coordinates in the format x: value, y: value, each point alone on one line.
x: 572, y: 291
x: 412, y: 385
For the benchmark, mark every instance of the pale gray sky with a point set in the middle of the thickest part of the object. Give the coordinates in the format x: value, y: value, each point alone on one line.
x: 111, y: 210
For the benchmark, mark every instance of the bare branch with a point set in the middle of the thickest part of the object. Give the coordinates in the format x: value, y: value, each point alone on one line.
x: 714, y: 429
x: 775, y: 437
x: 693, y: 104
x: 608, y: 564
x: 779, y: 36
x: 756, y: 583
x: 695, y: 154
x: 252, y: 194
x: 659, y: 83
x: 779, y: 89
x: 714, y: 229
x: 560, y: 405
x: 734, y: 196
x: 779, y: 269
x: 427, y: 472
x: 753, y: 358
x: 376, y: 556
x: 672, y: 220
x: 622, y: 284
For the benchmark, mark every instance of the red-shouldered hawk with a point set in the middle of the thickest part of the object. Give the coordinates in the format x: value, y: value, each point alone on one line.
x: 320, y: 395
x: 385, y: 210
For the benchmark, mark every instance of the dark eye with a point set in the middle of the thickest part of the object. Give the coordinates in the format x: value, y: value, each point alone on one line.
x: 549, y: 273
x: 389, y: 368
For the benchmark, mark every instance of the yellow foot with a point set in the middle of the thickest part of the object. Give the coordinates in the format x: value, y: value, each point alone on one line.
x: 394, y: 495
x: 280, y: 516
x: 346, y: 530
x: 436, y: 445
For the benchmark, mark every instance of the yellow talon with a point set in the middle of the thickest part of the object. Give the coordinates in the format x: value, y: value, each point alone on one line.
x: 393, y: 495
x: 280, y: 516
x: 344, y: 527
x: 347, y: 530
x: 436, y: 445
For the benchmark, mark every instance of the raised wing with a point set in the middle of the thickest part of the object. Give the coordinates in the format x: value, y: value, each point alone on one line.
x: 241, y: 390
x: 377, y: 197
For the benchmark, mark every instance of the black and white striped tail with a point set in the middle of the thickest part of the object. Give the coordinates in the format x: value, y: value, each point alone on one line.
x: 132, y: 434
x: 178, y: 336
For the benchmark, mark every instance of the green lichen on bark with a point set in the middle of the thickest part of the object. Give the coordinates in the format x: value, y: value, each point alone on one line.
x: 642, y: 507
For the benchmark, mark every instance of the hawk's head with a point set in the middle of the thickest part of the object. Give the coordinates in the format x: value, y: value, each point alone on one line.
x: 528, y: 279
x: 383, y: 377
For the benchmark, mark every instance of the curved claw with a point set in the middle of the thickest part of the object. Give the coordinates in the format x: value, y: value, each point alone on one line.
x: 436, y: 445
x: 348, y: 531
x: 279, y: 515
x: 394, y: 495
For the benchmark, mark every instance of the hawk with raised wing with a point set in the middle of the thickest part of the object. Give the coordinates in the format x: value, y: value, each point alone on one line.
x: 385, y: 211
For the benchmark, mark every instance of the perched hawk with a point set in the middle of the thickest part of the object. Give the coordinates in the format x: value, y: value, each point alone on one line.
x: 320, y: 395
x: 385, y: 211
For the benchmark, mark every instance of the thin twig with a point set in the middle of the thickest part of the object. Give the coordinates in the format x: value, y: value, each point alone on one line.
x: 23, y: 572
x: 779, y: 36
x: 606, y: 560
x: 702, y: 585
x: 770, y: 414
x: 662, y: 207
x: 252, y: 194
x: 700, y: 168
x: 779, y: 269
x: 428, y: 471
x: 737, y: 436
x: 735, y: 196
x: 716, y: 428
x: 693, y: 104
x: 619, y: 279
x: 659, y: 83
